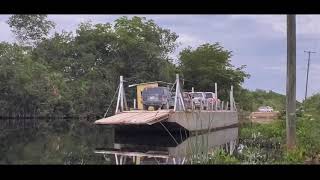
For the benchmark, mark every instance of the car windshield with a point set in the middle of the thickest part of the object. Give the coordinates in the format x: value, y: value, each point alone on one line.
x: 153, y: 91
x: 209, y: 95
x: 197, y: 95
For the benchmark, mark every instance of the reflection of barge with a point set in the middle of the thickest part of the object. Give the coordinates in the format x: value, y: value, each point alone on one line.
x: 167, y: 149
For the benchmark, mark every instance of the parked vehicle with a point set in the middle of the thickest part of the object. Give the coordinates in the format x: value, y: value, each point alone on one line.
x: 187, y: 100
x: 199, y: 100
x: 210, y: 97
x: 265, y: 109
x: 158, y: 97
x: 211, y: 100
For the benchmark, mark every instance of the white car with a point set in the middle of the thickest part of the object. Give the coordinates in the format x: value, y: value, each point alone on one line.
x: 265, y: 109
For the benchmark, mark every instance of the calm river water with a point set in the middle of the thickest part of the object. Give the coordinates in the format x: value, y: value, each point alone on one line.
x: 76, y: 141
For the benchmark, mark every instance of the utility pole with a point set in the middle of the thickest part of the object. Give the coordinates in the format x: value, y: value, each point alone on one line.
x: 306, y: 93
x: 291, y: 82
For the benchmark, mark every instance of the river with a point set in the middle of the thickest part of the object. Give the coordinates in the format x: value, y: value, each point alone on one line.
x: 78, y: 141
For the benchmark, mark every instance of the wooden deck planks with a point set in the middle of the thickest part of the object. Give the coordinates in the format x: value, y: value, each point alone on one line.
x: 135, y: 117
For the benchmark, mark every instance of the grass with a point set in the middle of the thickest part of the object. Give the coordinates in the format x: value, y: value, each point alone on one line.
x: 266, y: 144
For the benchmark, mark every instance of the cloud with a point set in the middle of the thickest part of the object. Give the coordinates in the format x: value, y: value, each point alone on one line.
x: 315, y: 71
x: 276, y: 68
x: 305, y: 24
x: 308, y: 25
x: 71, y: 22
x: 276, y: 23
x: 5, y: 32
x: 186, y: 39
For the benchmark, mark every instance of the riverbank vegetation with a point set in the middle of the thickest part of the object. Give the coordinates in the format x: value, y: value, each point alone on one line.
x: 265, y: 143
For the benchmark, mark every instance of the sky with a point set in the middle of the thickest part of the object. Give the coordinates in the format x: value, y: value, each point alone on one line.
x: 258, y: 41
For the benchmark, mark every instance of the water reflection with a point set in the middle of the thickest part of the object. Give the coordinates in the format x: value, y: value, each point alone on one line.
x: 78, y: 141
x: 166, y: 149
x: 51, y: 141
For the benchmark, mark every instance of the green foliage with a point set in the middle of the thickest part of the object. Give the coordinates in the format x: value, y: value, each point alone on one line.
x: 218, y: 156
x: 78, y: 74
x: 261, y: 143
x: 30, y: 28
x: 252, y: 100
x: 265, y: 143
x: 295, y: 156
x: 221, y: 157
x: 308, y: 130
x: 257, y: 136
x: 272, y: 130
x: 26, y: 84
x: 312, y: 105
x: 209, y: 64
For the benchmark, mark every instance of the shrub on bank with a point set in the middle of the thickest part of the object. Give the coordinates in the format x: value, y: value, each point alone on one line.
x: 265, y: 144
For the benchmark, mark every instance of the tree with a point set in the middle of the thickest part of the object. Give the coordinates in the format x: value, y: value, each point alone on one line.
x: 312, y: 104
x: 143, y: 47
x: 92, y: 60
x: 252, y: 100
x: 30, y: 29
x: 207, y: 64
x: 27, y: 85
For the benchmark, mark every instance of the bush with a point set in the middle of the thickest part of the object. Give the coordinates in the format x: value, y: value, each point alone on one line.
x: 295, y: 156
x: 218, y: 156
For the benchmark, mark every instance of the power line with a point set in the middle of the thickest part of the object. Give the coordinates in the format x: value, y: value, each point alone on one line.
x: 306, y: 93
